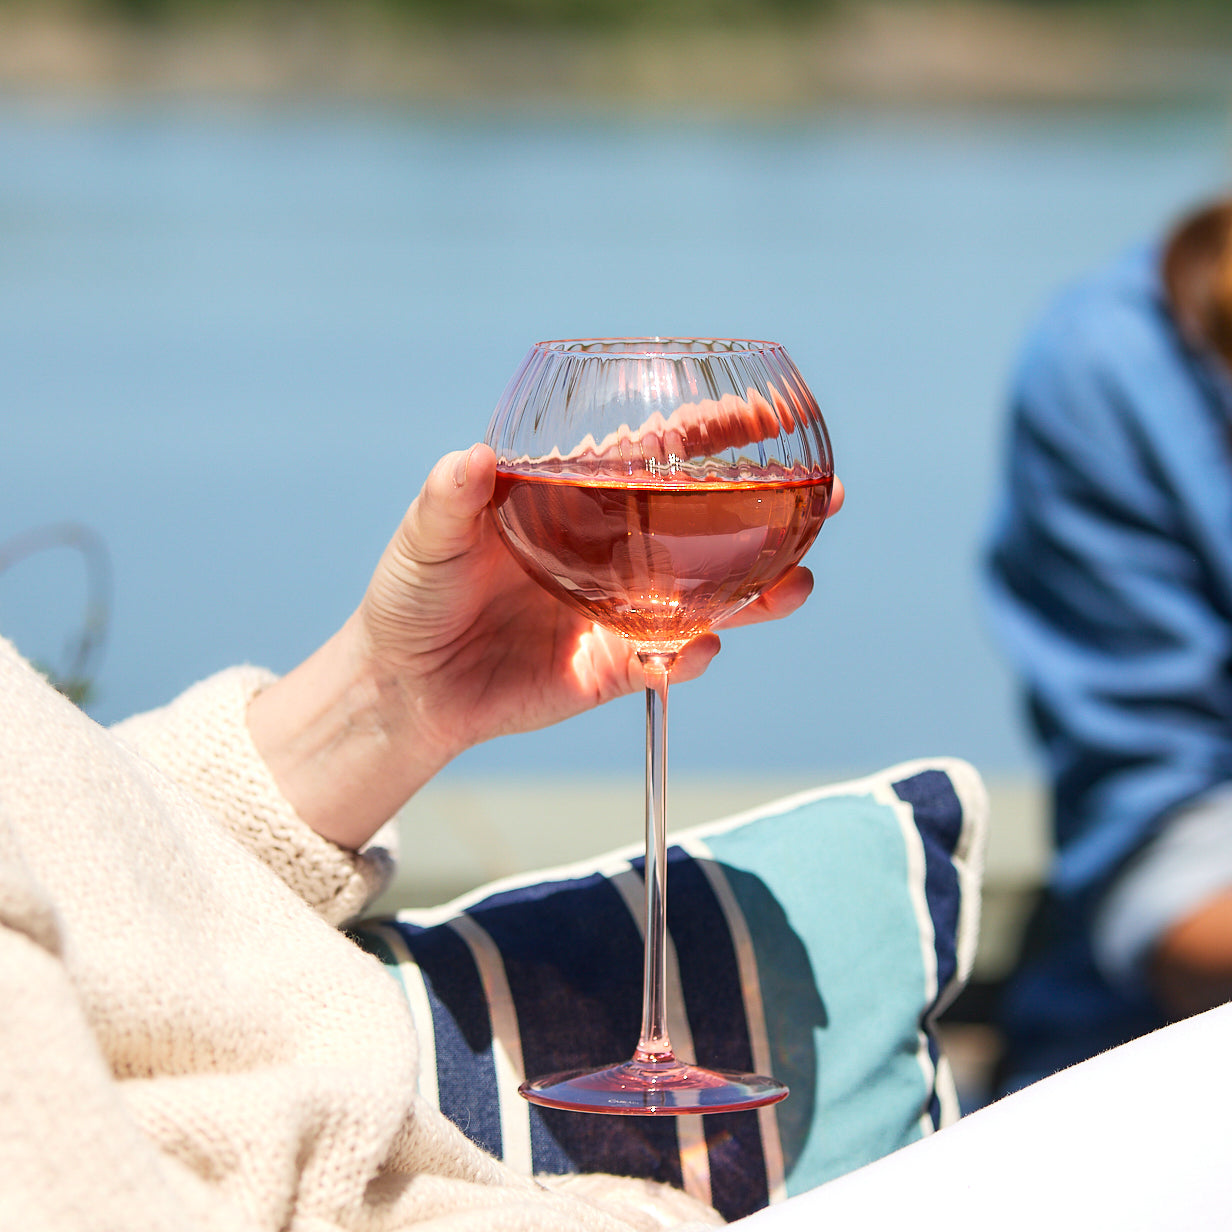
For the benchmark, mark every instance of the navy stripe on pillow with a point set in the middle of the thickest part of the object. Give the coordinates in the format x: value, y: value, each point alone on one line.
x: 574, y: 969
x: 939, y: 819
x: 935, y: 1112
x: 465, y: 1065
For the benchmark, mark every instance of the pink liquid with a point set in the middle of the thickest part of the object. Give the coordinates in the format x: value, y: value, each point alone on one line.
x: 658, y: 563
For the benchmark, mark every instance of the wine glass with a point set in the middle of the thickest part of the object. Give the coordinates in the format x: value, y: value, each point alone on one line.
x: 658, y: 485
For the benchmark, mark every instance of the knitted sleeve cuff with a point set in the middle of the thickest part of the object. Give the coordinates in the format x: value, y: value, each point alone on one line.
x: 201, y: 741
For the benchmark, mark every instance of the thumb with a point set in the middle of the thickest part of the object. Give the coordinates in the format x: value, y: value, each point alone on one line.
x: 446, y: 518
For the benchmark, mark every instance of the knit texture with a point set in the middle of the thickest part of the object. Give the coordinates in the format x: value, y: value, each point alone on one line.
x: 185, y: 1040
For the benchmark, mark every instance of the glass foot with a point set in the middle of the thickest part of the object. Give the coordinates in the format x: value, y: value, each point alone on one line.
x: 656, y: 1088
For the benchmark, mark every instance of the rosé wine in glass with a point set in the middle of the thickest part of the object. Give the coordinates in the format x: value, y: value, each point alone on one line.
x: 658, y: 563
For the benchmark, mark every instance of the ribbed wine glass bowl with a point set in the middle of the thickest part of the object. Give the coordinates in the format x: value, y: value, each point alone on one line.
x: 658, y: 486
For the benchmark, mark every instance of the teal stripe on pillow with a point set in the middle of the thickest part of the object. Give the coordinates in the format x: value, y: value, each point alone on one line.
x: 841, y: 960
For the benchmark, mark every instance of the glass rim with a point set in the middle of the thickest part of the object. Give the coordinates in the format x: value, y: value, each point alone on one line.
x: 655, y: 347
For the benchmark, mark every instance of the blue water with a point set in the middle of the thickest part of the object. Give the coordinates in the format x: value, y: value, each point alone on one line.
x: 232, y: 341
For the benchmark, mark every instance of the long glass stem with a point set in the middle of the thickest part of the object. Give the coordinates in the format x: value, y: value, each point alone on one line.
x: 654, y: 1046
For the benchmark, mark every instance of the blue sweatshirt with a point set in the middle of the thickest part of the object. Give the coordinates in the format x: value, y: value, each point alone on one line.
x: 1110, y: 584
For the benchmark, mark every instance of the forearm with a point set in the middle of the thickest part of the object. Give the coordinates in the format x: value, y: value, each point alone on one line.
x: 1166, y: 920
x: 1190, y: 970
x: 342, y: 740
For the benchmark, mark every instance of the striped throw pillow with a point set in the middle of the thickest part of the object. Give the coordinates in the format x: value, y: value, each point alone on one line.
x: 814, y: 939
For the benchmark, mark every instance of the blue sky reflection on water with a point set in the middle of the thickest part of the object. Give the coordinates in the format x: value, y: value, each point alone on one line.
x: 233, y: 341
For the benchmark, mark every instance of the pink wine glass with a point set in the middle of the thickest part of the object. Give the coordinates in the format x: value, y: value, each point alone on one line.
x: 658, y: 486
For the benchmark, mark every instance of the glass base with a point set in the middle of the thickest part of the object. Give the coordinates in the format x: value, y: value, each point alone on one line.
x: 655, y: 1088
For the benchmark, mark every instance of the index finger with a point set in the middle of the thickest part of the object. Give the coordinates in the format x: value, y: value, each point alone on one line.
x: 783, y: 598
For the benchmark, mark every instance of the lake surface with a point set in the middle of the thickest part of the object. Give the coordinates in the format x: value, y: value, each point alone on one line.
x: 233, y: 340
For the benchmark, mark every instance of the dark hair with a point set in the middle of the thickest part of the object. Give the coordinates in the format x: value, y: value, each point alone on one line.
x: 1197, y: 275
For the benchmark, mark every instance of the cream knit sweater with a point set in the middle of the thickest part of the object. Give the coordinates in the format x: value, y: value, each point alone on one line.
x: 186, y: 1041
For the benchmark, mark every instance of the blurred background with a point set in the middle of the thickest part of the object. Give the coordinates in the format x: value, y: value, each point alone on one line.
x: 262, y: 263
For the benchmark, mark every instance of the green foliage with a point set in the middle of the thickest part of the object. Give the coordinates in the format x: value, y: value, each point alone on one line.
x: 76, y: 680
x: 596, y: 14
x: 532, y: 14
x: 609, y: 13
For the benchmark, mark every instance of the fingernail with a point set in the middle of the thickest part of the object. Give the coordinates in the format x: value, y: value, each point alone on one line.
x: 459, y: 471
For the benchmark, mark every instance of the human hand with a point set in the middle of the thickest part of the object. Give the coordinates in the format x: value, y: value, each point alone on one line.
x: 453, y: 644
x: 489, y: 650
